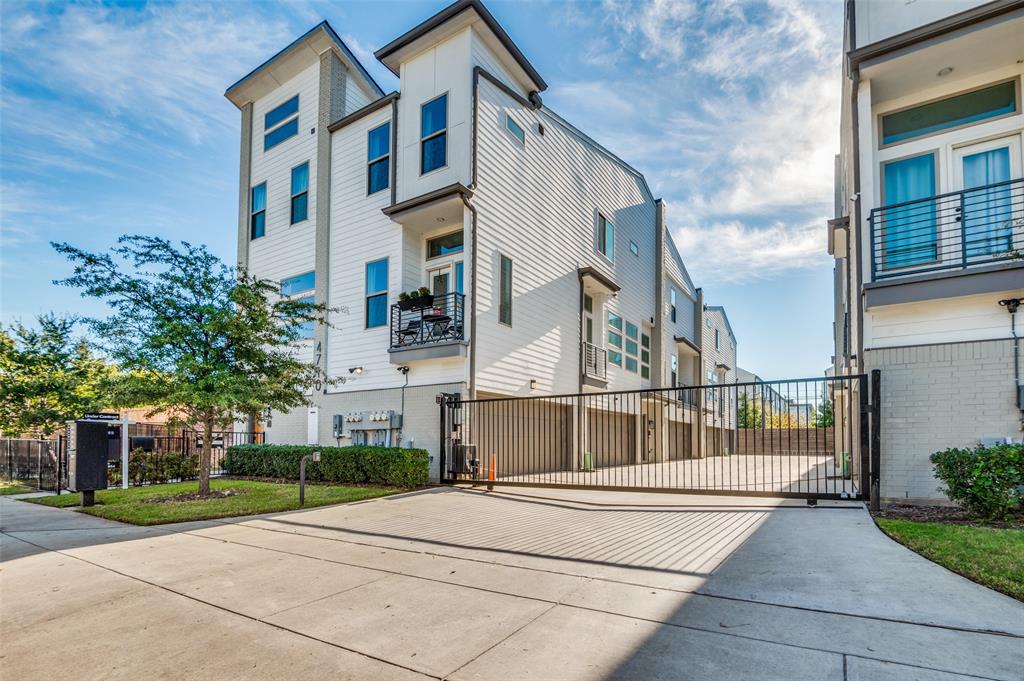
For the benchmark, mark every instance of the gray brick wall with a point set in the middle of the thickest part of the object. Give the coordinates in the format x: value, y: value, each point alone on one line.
x: 935, y: 397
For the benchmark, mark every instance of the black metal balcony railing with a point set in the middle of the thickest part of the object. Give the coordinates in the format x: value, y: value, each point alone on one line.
x: 442, y: 319
x: 949, y: 231
x: 595, y: 361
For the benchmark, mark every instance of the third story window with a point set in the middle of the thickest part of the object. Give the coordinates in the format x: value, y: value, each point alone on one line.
x: 378, y: 155
x: 300, y: 192
x: 606, y: 237
x: 445, y: 245
x: 258, y: 218
x: 505, y: 291
x: 515, y: 129
x: 672, y: 303
x: 301, y: 288
x: 281, y: 123
x: 434, y: 134
x: 951, y: 112
x: 377, y: 293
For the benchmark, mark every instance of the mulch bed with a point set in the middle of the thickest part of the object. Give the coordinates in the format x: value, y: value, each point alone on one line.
x: 952, y: 515
x: 195, y: 496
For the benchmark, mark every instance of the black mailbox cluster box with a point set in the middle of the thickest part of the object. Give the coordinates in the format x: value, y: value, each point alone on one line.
x: 88, y: 450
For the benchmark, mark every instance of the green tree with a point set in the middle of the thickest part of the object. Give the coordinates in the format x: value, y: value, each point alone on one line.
x: 823, y: 415
x: 749, y: 413
x: 47, y: 376
x: 195, y: 338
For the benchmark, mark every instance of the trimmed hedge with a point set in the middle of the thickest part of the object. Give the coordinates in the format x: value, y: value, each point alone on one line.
x: 984, y: 480
x: 357, y: 464
x: 154, y: 468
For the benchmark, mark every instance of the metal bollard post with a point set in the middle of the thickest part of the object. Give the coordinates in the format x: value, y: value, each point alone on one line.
x: 315, y: 456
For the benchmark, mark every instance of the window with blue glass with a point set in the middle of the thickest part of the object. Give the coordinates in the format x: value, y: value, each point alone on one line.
x: 378, y: 159
x: 300, y: 287
x: 258, y: 211
x: 515, y: 129
x: 459, y: 278
x: 950, y: 112
x: 377, y: 293
x: 908, y: 231
x: 988, y: 210
x: 445, y: 245
x: 281, y: 123
x: 606, y: 237
x: 300, y: 192
x: 434, y: 134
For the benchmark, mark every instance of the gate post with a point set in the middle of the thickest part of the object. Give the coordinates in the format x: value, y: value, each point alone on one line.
x: 876, y: 438
x: 442, y: 401
x: 863, y: 433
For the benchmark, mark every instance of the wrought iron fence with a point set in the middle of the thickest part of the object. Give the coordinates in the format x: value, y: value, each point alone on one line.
x: 33, y: 463
x: 957, y: 230
x: 433, y: 319
x: 719, y: 439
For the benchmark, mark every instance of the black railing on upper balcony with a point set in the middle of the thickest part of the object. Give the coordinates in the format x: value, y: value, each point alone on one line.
x: 957, y: 230
x: 435, y: 319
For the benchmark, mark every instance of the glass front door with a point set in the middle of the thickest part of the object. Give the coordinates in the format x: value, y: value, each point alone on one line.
x: 987, y: 210
x: 908, y: 230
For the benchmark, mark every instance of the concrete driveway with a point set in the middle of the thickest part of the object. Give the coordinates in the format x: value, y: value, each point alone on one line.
x: 519, y: 584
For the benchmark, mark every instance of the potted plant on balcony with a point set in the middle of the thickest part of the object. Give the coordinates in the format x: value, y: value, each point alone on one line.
x: 417, y: 299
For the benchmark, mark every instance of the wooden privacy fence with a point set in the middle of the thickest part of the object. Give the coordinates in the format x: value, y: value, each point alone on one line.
x: 786, y: 441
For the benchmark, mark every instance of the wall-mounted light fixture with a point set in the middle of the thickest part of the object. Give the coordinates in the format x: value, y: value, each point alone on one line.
x: 533, y: 384
x: 355, y: 370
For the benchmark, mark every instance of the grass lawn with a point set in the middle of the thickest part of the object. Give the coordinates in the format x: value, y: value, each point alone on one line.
x: 157, y: 504
x: 990, y: 556
x: 13, y: 487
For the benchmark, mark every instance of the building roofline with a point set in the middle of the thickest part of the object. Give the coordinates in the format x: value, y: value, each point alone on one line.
x: 326, y: 27
x: 375, y: 105
x: 725, y: 316
x: 451, y: 12
x: 935, y: 29
x: 430, y: 197
x: 600, y: 276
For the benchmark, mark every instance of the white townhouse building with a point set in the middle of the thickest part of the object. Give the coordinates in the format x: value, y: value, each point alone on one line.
x: 929, y: 228
x: 545, y: 263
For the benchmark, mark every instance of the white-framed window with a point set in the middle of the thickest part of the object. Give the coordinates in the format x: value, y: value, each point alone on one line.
x: 446, y: 244
x: 377, y: 293
x: 632, y: 348
x: 300, y: 193
x: 301, y: 287
x: 434, y: 134
x: 281, y: 123
x: 378, y: 159
x: 614, y: 339
x: 515, y: 129
x: 605, y: 237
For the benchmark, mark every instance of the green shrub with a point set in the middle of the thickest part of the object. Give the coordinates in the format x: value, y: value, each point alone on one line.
x: 154, y: 468
x: 357, y: 464
x: 984, y: 480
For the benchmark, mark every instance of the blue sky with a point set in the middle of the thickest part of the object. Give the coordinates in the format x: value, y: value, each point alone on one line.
x: 113, y: 121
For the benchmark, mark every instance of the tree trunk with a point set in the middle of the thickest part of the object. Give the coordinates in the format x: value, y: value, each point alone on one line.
x: 204, y: 457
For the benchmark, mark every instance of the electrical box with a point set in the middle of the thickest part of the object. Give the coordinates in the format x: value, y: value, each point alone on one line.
x: 88, y: 451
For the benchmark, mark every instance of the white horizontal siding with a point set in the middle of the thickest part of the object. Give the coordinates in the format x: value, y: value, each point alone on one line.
x: 950, y: 320
x: 539, y: 206
x: 286, y: 250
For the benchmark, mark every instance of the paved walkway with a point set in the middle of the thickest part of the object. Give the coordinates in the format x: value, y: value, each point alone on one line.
x: 517, y: 585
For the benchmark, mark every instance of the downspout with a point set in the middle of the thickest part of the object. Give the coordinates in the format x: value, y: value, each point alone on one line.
x: 1011, y: 305
x: 582, y: 362
x: 394, y: 150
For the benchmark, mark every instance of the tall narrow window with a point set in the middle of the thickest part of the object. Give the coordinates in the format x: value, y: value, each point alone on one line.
x: 377, y: 293
x: 645, y: 355
x: 615, y: 339
x: 632, y: 351
x: 505, y: 291
x: 675, y: 370
x: 460, y: 278
x: 672, y: 303
x: 258, y: 216
x: 606, y: 237
x: 718, y: 340
x: 281, y: 123
x: 300, y: 192
x: 908, y: 232
x: 434, y: 134
x: 378, y: 159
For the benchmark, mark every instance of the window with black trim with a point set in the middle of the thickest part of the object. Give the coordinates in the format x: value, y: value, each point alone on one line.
x: 645, y: 355
x: 505, y: 291
x: 446, y: 244
x: 258, y: 211
x: 378, y: 159
x: 434, y: 134
x: 281, y: 123
x: 605, y: 237
x: 632, y: 350
x: 300, y: 193
x: 672, y: 303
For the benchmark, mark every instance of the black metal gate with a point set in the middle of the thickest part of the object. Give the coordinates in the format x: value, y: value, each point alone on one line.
x: 804, y: 438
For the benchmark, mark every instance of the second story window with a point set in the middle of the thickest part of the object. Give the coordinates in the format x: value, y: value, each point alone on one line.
x: 632, y: 351
x: 606, y: 237
x: 645, y: 356
x: 281, y: 123
x: 258, y: 211
x: 505, y: 291
x: 377, y: 293
x: 434, y: 134
x: 672, y: 304
x: 301, y: 287
x: 300, y: 192
x: 951, y: 112
x: 378, y: 158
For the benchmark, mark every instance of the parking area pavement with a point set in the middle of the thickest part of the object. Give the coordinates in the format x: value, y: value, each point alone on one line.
x: 524, y: 584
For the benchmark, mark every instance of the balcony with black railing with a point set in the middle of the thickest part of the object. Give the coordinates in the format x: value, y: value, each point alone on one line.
x: 954, y: 231
x: 428, y: 320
